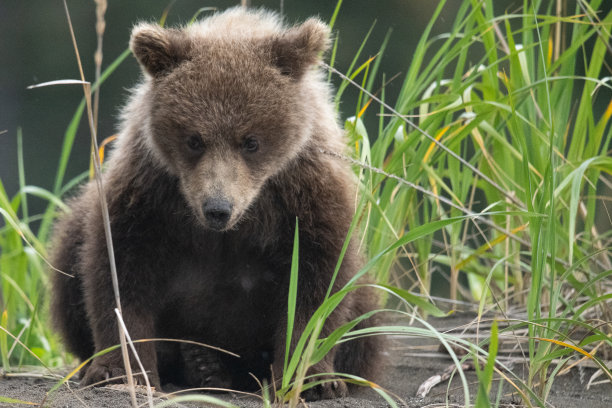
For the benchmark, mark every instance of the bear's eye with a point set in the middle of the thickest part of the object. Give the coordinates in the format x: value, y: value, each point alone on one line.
x: 250, y: 144
x: 195, y: 143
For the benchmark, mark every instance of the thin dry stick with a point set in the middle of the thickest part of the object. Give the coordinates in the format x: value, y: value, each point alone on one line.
x: 510, y: 196
x: 104, y: 210
x: 428, y: 384
x: 597, y: 24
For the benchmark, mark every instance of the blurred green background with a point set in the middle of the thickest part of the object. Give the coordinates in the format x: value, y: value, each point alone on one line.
x: 35, y: 47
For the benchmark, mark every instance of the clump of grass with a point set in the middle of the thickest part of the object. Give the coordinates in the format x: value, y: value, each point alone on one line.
x: 496, y: 116
x: 25, y: 336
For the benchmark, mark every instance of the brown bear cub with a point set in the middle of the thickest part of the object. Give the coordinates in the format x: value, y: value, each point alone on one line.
x: 220, y: 150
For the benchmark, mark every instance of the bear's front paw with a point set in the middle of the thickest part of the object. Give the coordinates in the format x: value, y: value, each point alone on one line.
x: 332, y: 387
x: 204, y: 368
x: 329, y: 388
x: 104, y: 371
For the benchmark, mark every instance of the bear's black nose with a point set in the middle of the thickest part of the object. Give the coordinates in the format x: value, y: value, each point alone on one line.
x: 217, y: 212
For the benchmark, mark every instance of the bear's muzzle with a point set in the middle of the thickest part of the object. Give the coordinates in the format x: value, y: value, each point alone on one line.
x: 217, y: 212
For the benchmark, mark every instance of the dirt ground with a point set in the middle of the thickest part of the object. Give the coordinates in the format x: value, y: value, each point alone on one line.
x: 411, y: 361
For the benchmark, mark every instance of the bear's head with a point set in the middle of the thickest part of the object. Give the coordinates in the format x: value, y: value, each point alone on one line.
x: 229, y: 104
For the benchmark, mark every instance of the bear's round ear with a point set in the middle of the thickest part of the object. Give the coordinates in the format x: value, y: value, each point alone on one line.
x: 158, y: 50
x: 299, y: 47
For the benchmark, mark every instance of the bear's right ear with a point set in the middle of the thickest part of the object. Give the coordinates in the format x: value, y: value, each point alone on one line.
x: 157, y: 49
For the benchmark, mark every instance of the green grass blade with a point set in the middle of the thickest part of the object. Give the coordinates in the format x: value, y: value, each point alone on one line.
x: 292, y: 299
x: 332, y: 20
x: 20, y: 164
x: 4, y: 341
x: 485, y: 375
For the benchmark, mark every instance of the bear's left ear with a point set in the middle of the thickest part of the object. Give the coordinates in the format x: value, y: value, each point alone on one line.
x: 158, y: 49
x: 298, y: 48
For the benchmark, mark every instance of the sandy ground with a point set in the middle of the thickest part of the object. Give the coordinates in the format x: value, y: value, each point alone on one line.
x: 411, y: 362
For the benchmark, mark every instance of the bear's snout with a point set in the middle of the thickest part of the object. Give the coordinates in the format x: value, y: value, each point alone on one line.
x: 217, y: 212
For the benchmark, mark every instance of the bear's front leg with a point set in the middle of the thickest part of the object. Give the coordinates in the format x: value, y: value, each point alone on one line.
x: 110, y: 367
x: 332, y: 387
x: 140, y: 300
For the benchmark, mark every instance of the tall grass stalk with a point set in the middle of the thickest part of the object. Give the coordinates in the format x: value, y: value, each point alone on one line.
x: 97, y: 175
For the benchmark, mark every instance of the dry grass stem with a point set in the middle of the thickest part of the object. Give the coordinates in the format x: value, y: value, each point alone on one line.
x: 104, y: 208
x: 101, y: 6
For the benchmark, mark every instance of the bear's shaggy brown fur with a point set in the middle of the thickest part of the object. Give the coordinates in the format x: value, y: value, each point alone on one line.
x: 219, y: 153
